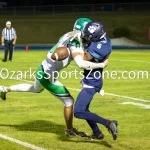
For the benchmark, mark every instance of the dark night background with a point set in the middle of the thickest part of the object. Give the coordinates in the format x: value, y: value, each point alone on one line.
x: 61, y: 2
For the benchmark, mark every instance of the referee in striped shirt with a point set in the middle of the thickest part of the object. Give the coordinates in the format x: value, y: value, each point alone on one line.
x: 9, y: 38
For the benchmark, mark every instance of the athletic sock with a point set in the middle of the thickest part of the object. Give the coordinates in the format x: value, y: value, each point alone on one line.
x: 22, y: 88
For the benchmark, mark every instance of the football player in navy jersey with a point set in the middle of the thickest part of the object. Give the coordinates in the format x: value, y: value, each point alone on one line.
x: 98, y: 50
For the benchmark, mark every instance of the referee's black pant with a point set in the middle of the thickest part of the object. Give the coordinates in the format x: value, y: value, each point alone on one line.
x: 8, y: 49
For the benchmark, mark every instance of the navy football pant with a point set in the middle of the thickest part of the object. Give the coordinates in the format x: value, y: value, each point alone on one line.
x: 81, y: 109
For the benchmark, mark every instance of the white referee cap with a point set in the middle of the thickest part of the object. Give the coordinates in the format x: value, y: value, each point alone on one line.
x: 8, y: 22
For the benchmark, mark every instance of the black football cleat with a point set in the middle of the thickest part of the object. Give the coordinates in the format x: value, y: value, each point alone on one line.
x: 75, y: 132
x: 112, y: 128
x: 96, y: 137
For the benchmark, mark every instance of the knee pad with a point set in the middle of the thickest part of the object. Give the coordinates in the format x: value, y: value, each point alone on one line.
x: 68, y: 101
x: 37, y: 90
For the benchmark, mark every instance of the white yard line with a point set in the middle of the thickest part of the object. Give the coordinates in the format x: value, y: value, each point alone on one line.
x: 128, y: 97
x: 137, y: 104
x: 110, y: 94
x: 138, y: 61
x: 25, y: 144
x: 121, y: 96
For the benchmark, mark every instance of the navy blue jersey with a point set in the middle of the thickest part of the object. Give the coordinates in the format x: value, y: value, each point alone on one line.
x: 101, y: 51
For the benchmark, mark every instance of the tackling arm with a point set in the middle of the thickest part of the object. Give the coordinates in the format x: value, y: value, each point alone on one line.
x: 78, y: 58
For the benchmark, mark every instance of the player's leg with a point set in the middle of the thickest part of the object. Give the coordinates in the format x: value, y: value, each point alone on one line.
x: 97, y: 133
x: 81, y: 106
x: 61, y: 92
x: 94, y: 126
x: 63, y: 95
x: 36, y: 88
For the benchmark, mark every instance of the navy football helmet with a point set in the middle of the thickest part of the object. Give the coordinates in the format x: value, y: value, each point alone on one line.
x: 93, y: 32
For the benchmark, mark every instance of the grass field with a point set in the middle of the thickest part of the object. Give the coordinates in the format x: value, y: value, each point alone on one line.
x: 38, y: 118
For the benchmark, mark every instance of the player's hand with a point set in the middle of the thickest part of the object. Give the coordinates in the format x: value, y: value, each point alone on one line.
x: 106, y: 62
x: 3, y: 44
x: 74, y: 34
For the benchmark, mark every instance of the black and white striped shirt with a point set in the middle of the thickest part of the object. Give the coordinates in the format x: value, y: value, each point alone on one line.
x: 9, y: 34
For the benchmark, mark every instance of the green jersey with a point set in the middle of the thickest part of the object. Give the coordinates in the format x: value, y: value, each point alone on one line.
x: 51, y: 65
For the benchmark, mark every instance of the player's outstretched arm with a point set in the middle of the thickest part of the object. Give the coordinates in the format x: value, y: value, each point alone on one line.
x: 78, y: 58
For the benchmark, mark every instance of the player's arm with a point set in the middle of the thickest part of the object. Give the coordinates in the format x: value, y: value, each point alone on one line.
x: 78, y: 56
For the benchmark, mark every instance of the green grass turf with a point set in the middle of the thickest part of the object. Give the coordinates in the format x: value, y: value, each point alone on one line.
x: 38, y: 118
x: 48, y: 28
